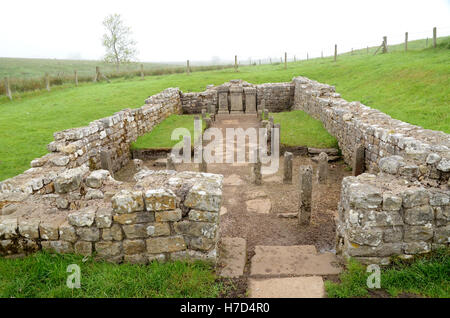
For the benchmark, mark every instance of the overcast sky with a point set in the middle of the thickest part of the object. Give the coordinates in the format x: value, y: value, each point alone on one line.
x: 199, y: 30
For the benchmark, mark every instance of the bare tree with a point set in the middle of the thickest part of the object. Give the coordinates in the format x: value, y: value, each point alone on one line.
x: 120, y: 47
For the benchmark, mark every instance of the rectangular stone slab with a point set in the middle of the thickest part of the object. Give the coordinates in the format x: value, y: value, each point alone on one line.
x: 233, y: 256
x: 292, y: 260
x: 289, y: 287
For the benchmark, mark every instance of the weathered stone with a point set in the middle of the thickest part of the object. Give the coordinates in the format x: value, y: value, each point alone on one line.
x: 62, y: 203
x: 29, y: 228
x: 60, y: 247
x: 419, y: 215
x: 364, y: 196
x: 415, y: 197
x: 49, y: 228
x: 103, y: 218
x: 381, y: 218
x: 165, y: 244
x: 107, y: 249
x: 208, y: 230
x: 90, y: 234
x: 94, y: 194
x: 127, y: 202
x: 205, y: 196
x: 287, y: 171
x: 261, y: 205
x: 410, y: 171
x: 157, y: 257
x: 444, y: 165
x: 305, y: 194
x: 382, y: 250
x: 67, y: 233
x: 9, y: 208
x: 433, y: 158
x: 363, y: 236
x: 233, y: 256
x: 255, y: 170
x: 391, y: 202
x: 391, y: 164
x: 416, y: 247
x: 393, y: 234
x: 323, y: 168
x: 134, y: 231
x: 170, y: 164
x: 159, y: 200
x: 418, y: 233
x: 358, y: 159
x: 168, y: 216
x: 70, y: 179
x: 439, y: 198
x: 83, y: 217
x: 114, y: 233
x: 203, y: 216
x: 200, y: 243
x: 134, y: 218
x: 133, y: 246
x: 60, y: 160
x: 83, y: 248
x: 442, y: 235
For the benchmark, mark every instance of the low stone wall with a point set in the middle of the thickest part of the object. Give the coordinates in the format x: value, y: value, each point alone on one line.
x: 403, y: 206
x: 164, y: 215
x: 193, y: 103
x: 277, y: 97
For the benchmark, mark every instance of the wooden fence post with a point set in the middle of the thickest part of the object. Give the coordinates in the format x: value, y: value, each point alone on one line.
x: 235, y: 63
x: 335, y: 52
x: 142, y: 71
x: 426, y: 43
x: 8, y: 88
x: 188, y: 67
x: 434, y: 37
x: 406, y: 41
x: 285, y: 60
x: 307, y: 56
x: 321, y: 54
x: 385, y: 47
x: 97, y: 74
x: 367, y: 50
x: 76, y: 77
x: 47, y: 82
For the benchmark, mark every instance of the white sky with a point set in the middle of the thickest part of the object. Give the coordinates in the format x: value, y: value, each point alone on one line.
x: 172, y: 30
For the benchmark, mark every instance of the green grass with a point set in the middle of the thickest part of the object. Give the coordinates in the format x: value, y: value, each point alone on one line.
x: 45, y: 275
x: 300, y: 129
x: 160, y: 136
x: 413, y: 87
x: 427, y: 275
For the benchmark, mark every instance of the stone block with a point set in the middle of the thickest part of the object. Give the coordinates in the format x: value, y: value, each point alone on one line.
x: 114, y: 233
x: 90, y: 234
x: 203, y: 216
x: 70, y: 179
x: 159, y: 200
x: 391, y: 202
x: 29, y: 228
x: 418, y: 233
x: 185, y: 227
x: 83, y: 248
x: 108, y: 249
x: 168, y: 216
x: 416, y: 247
x: 67, y: 233
x: 8, y: 228
x: 415, y: 197
x: 442, y: 235
x: 135, y: 218
x: 145, y: 230
x: 205, y: 196
x: 60, y: 247
x: 127, y: 202
x: 83, y: 217
x: 165, y: 244
x: 133, y: 246
x: 419, y: 215
x: 103, y: 218
x: 96, y: 178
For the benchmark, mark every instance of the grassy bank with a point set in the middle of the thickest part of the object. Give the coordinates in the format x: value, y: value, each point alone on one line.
x: 412, y: 86
x: 426, y: 276
x: 45, y: 275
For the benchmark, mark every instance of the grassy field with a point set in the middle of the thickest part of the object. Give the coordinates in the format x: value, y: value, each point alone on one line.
x: 22, y: 67
x: 413, y: 87
x: 160, y: 136
x: 427, y: 275
x: 45, y: 275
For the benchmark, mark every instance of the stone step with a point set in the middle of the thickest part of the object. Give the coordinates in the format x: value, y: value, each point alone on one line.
x: 233, y: 256
x: 297, y: 260
x: 161, y: 162
x: 289, y: 287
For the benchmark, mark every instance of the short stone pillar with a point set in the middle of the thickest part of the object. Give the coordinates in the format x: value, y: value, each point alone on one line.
x: 287, y: 171
x: 203, y: 113
x: 170, y: 165
x: 358, y: 164
x: 250, y: 100
x: 305, y: 195
x: 323, y: 168
x: 255, y: 172
x: 262, y: 106
x: 259, y: 115
x: 202, y: 166
x: 106, y: 161
x: 237, y: 106
x: 223, y: 100
x: 272, y: 137
x: 207, y: 123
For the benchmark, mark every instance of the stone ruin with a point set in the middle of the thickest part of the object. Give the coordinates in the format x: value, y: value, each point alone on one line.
x: 68, y: 201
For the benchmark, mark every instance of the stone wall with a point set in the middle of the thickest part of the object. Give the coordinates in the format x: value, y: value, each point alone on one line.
x: 278, y: 97
x: 193, y: 103
x: 403, y: 206
x: 164, y: 215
